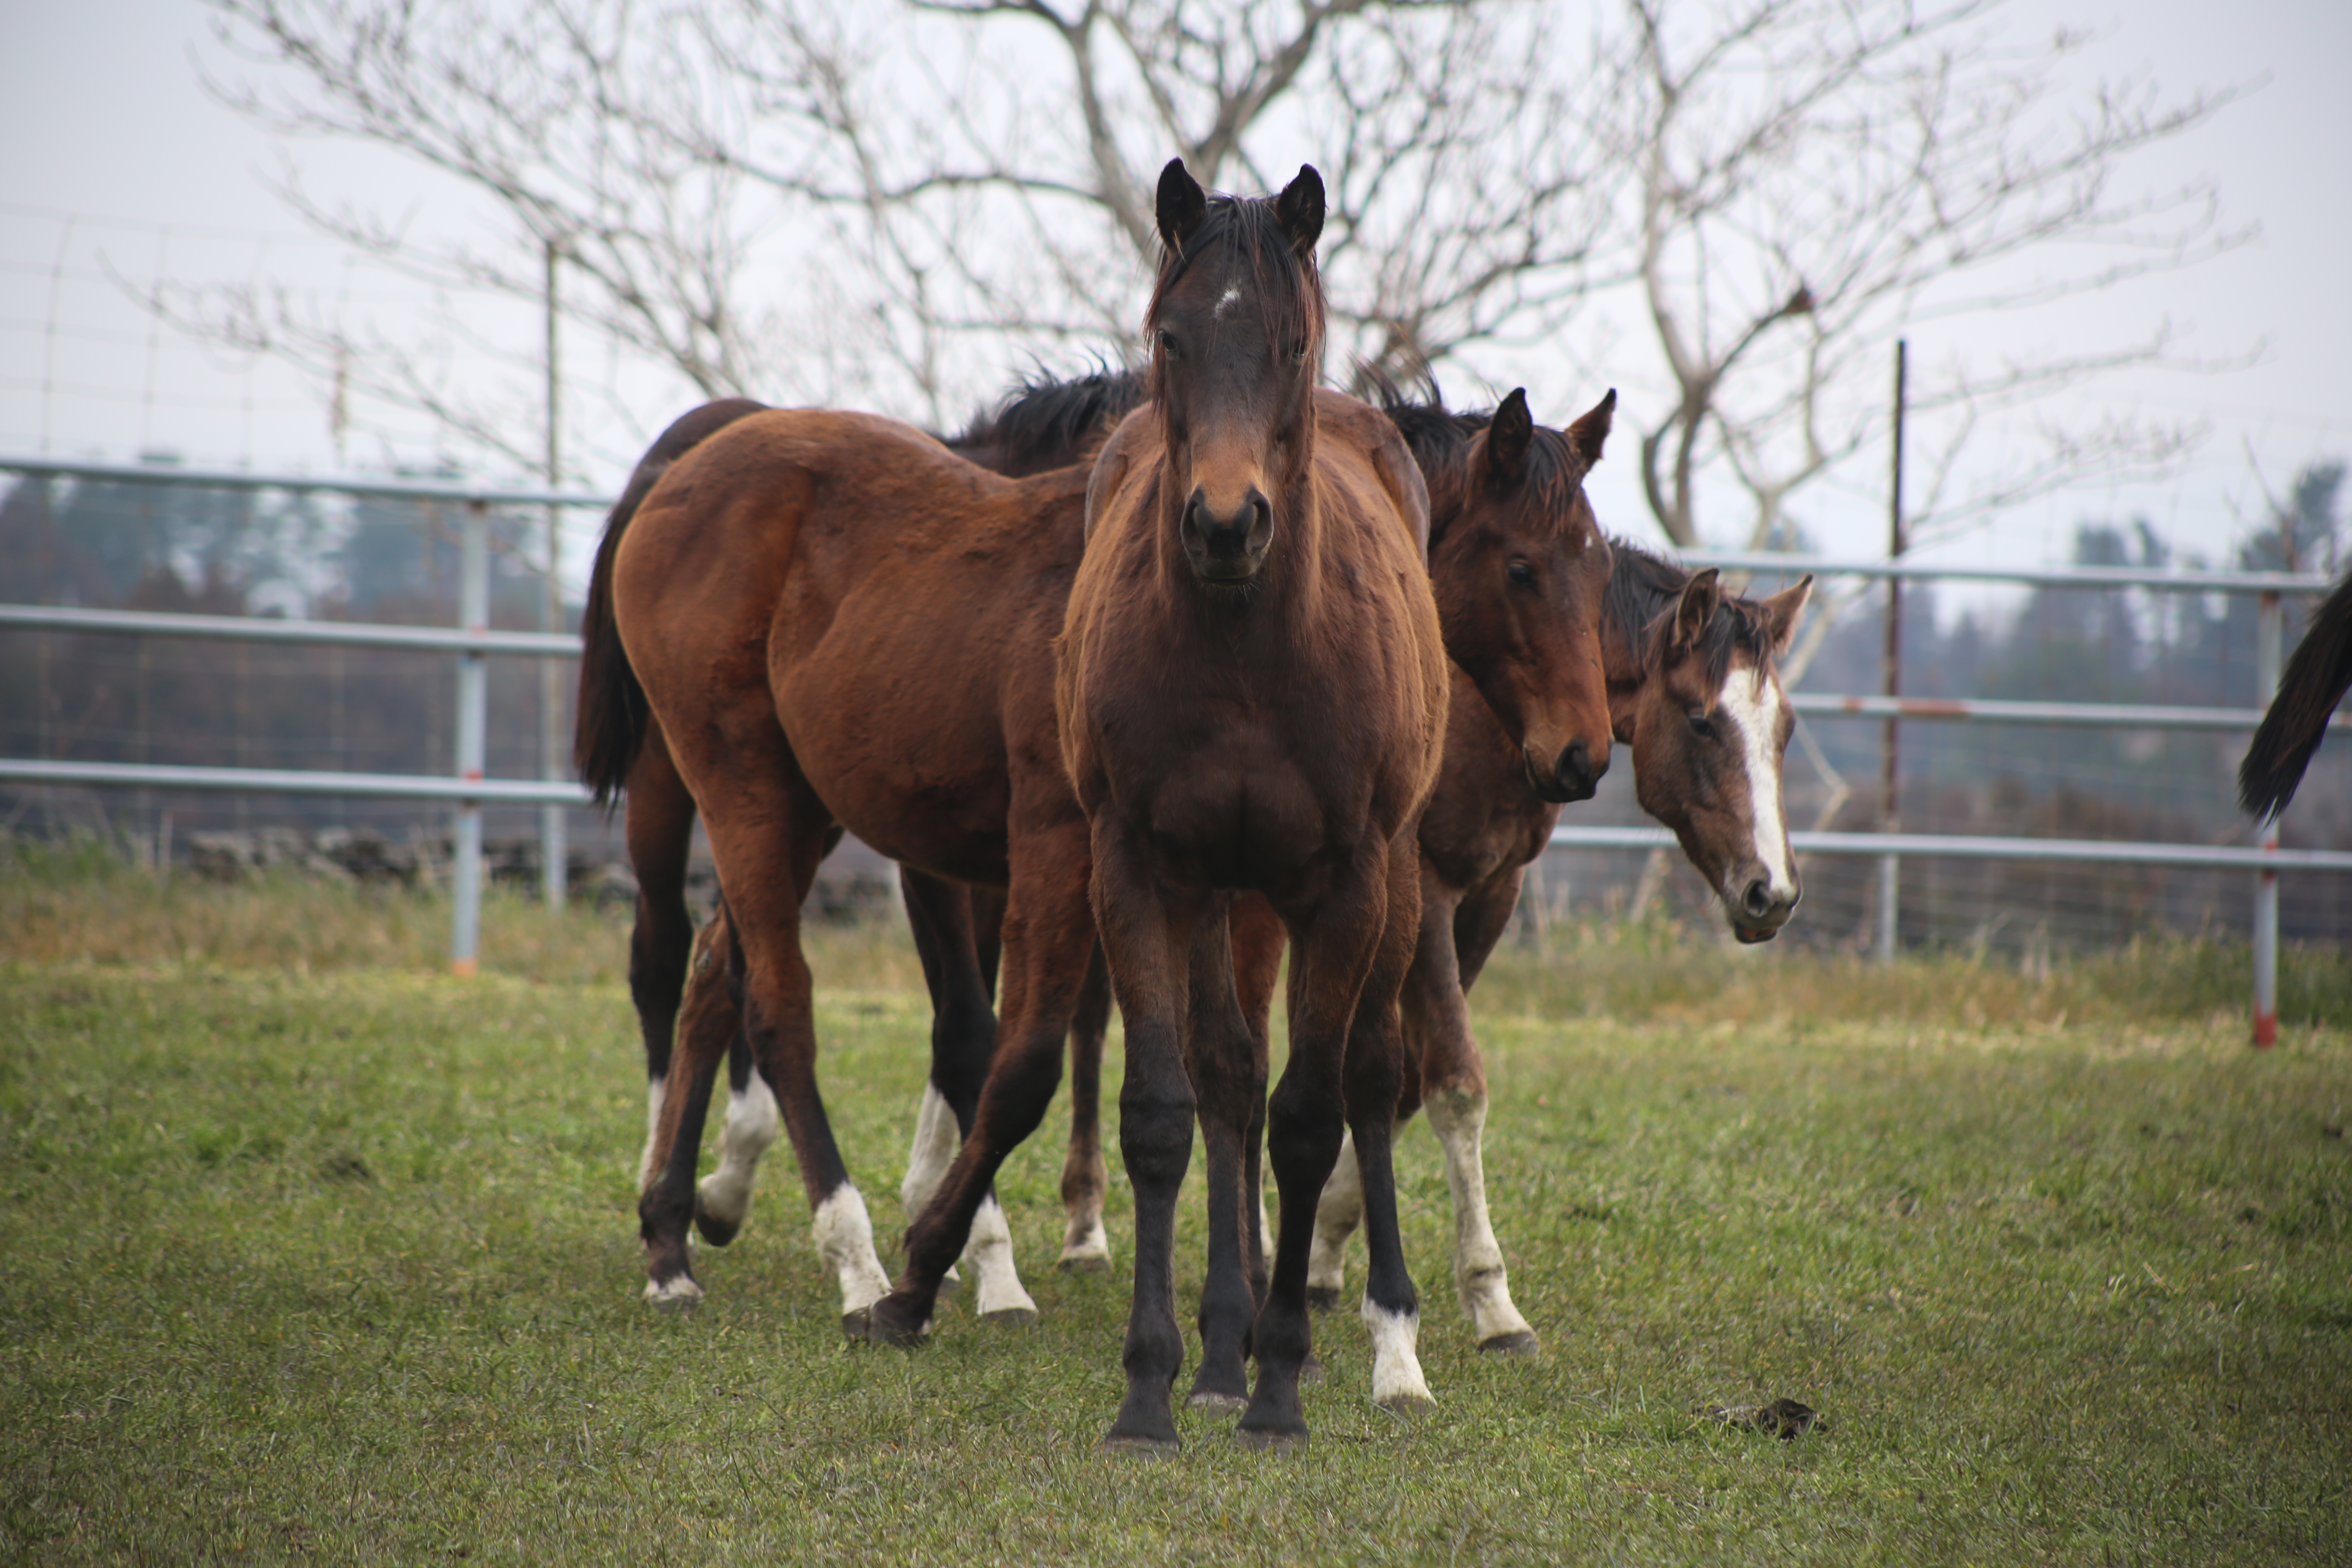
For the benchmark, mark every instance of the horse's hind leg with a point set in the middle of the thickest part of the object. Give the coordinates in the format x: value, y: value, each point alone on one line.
x: 658, y: 821
x: 767, y: 832
x: 709, y: 1020
x: 1085, y: 1245
x: 1453, y: 1085
x: 947, y: 921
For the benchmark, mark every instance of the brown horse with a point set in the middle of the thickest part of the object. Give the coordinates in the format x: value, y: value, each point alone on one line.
x: 838, y: 623
x: 1694, y: 695
x: 1252, y: 695
x: 1042, y: 425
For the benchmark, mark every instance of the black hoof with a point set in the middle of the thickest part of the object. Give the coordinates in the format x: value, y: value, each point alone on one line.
x: 1322, y: 1298
x: 1216, y: 1404
x: 1084, y: 1264
x: 1011, y: 1317
x: 716, y: 1232
x: 1142, y: 1447
x: 890, y: 1321
x: 856, y: 1325
x: 1519, y: 1341
x: 1265, y: 1441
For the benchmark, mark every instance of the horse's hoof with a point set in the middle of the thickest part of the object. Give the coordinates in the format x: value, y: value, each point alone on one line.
x: 1265, y: 1441
x: 856, y: 1325
x: 1322, y: 1298
x: 888, y: 1325
x: 1142, y: 1447
x: 713, y: 1230
x: 1519, y: 1342
x: 1010, y: 1317
x: 1406, y: 1402
x: 676, y: 1297
x: 1216, y: 1404
x: 1311, y: 1369
x: 1084, y: 1263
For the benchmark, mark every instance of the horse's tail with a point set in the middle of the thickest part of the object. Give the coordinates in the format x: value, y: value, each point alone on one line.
x: 2315, y: 682
x: 611, y: 717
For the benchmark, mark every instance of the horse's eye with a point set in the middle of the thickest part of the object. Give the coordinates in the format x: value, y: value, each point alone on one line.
x: 1168, y: 343
x: 1702, y: 726
x: 1522, y: 573
x: 1298, y: 351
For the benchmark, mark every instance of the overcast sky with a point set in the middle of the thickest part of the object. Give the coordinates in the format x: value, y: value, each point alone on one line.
x: 121, y: 171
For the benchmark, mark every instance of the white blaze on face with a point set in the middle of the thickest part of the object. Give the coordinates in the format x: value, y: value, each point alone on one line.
x: 1751, y: 700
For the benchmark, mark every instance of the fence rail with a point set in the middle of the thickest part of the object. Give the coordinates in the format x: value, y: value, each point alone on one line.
x: 473, y: 642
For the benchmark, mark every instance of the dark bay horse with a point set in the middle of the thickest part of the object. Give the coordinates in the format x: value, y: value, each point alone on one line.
x: 1252, y: 696
x: 2317, y: 676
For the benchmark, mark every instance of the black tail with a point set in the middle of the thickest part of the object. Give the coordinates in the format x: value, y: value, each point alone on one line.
x: 2313, y: 683
x: 609, y: 722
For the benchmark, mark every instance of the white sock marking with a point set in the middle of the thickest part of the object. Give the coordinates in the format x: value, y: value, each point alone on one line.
x: 750, y: 1128
x: 988, y: 1250
x: 1397, y: 1382
x: 936, y: 1142
x: 845, y: 1239
x: 1338, y: 1213
x: 1480, y: 1283
x: 654, y: 1086
x: 1754, y: 708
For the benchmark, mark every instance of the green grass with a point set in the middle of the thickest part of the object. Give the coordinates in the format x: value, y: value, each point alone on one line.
x: 309, y: 1255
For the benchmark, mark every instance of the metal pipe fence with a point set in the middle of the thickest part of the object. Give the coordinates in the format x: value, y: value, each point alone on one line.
x: 473, y: 642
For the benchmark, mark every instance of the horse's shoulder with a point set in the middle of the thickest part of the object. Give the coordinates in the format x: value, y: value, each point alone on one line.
x: 1364, y: 438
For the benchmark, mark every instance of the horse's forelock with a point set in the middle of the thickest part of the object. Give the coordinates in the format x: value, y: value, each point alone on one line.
x: 1287, y: 284
x: 1440, y: 439
x: 1642, y: 592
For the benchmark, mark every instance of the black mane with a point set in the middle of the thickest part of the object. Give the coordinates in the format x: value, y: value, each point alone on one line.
x: 1289, y: 287
x: 1045, y: 423
x: 1644, y: 588
x: 1439, y: 439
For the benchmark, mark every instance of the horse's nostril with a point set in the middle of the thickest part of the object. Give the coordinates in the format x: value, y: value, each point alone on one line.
x: 1758, y: 900
x: 1577, y: 774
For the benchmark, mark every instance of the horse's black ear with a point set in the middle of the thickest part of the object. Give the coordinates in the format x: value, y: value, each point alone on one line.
x: 1586, y: 436
x: 1507, y: 437
x: 1784, y: 609
x: 1183, y: 205
x: 1700, y: 596
x: 1300, y: 208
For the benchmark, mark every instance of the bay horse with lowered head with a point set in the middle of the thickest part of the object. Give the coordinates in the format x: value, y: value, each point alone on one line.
x: 1252, y: 697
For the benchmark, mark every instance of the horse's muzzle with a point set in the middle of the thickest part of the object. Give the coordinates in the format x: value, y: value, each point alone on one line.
x: 1758, y: 912
x: 1229, y: 548
x: 1574, y: 775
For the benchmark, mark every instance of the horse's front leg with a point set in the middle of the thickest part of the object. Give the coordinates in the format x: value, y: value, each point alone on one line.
x: 1377, y: 1070
x: 1454, y: 1088
x: 1085, y: 1245
x: 1048, y: 932
x: 1228, y: 1078
x: 943, y: 917
x: 1148, y: 930
x: 1333, y: 942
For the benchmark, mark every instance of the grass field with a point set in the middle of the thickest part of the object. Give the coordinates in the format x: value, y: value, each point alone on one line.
x: 310, y: 1252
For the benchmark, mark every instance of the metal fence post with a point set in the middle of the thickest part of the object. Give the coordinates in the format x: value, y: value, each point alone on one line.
x: 473, y: 721
x: 2270, y: 633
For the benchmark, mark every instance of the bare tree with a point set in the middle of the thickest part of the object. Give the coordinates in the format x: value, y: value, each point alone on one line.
x: 1807, y: 178
x: 918, y: 195
x: 896, y: 204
